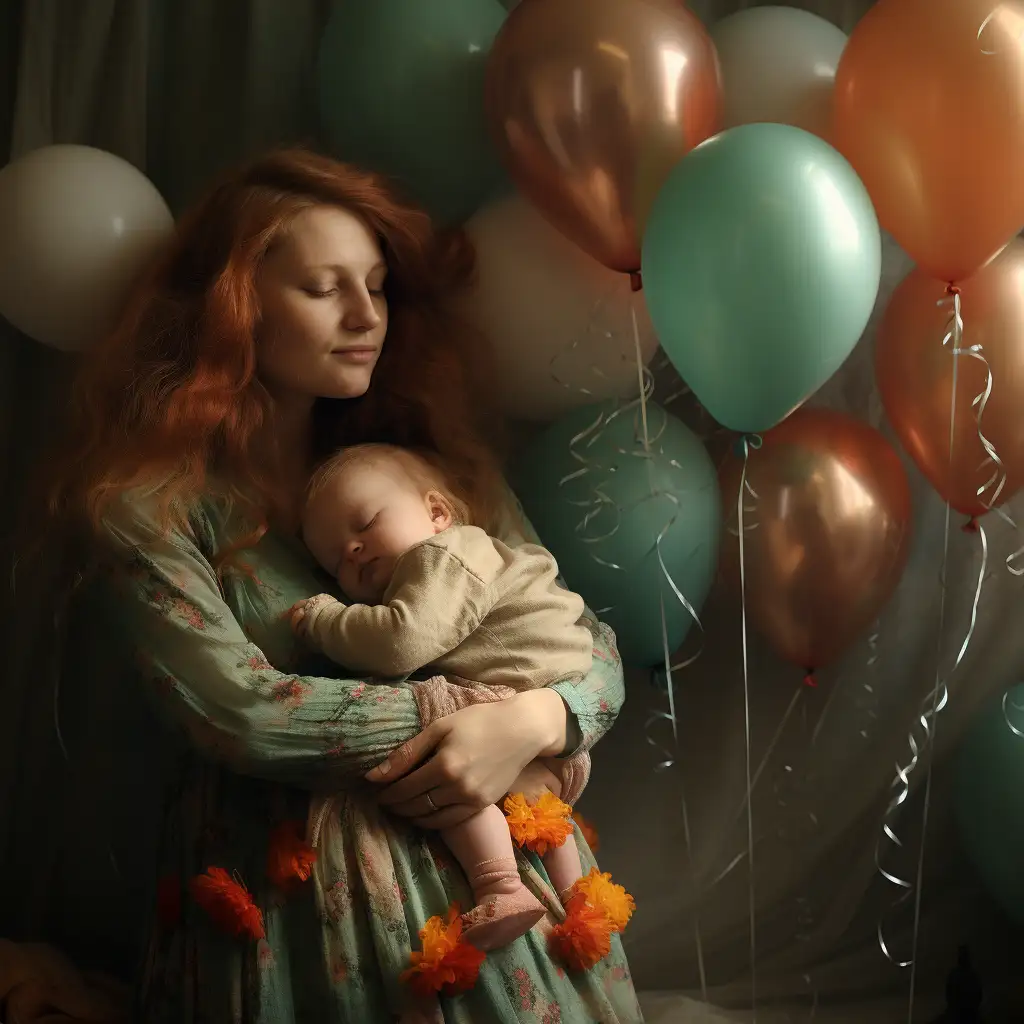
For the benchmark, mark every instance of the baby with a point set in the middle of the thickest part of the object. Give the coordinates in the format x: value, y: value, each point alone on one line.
x: 435, y: 590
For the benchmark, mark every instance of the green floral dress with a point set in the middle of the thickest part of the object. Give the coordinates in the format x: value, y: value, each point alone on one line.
x: 266, y: 724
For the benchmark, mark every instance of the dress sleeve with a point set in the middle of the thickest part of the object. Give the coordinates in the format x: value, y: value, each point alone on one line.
x: 215, y: 683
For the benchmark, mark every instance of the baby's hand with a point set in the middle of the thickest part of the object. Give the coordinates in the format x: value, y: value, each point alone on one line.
x: 302, y: 612
x: 296, y: 616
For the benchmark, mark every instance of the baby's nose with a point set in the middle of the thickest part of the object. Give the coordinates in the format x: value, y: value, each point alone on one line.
x: 354, y: 547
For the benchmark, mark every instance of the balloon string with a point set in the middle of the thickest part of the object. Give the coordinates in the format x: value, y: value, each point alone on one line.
x: 1010, y: 724
x: 669, y: 682
x: 746, y: 729
x: 938, y: 698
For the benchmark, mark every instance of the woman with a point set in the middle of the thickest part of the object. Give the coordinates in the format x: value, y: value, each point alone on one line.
x: 301, y: 309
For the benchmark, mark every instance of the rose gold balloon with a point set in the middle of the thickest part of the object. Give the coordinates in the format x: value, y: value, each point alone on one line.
x: 915, y: 378
x: 833, y: 524
x: 929, y: 109
x: 592, y: 102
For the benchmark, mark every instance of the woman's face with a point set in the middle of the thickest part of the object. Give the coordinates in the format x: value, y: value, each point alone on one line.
x: 324, y: 315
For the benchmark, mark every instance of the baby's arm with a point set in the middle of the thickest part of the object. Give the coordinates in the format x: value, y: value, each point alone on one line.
x: 433, y: 603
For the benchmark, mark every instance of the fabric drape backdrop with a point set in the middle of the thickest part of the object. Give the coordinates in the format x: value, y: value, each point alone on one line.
x: 183, y: 87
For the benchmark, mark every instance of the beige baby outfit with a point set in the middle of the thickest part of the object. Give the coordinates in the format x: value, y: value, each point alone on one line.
x: 468, y: 605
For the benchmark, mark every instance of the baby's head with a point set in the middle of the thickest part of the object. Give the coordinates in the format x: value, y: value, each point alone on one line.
x: 366, y: 507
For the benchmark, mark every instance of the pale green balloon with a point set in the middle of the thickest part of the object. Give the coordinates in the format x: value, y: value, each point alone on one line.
x: 607, y: 552
x: 761, y: 264
x: 401, y: 92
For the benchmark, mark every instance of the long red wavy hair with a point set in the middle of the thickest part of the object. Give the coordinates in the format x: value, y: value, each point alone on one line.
x: 171, y: 399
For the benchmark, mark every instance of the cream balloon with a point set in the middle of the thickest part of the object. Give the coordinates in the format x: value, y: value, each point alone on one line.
x: 559, y: 323
x: 77, y: 226
x: 778, y: 65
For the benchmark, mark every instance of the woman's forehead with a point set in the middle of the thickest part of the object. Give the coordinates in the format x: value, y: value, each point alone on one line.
x: 329, y: 237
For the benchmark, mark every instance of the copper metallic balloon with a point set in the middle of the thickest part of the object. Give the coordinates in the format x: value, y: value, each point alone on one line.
x: 915, y: 378
x: 929, y: 110
x: 592, y: 102
x: 827, y: 526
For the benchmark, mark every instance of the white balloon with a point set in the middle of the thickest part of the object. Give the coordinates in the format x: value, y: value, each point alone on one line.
x: 778, y: 65
x: 559, y: 324
x: 77, y: 226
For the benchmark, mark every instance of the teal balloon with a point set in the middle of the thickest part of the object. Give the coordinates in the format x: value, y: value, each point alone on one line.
x: 401, y: 92
x: 989, y: 797
x: 602, y: 524
x: 761, y: 262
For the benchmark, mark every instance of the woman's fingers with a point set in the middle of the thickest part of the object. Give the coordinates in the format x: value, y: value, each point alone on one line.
x: 420, y: 806
x: 406, y: 757
x: 447, y: 817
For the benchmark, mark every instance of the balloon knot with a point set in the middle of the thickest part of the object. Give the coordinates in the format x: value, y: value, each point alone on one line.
x: 952, y: 289
x: 810, y: 679
x: 744, y: 445
x: 636, y: 282
x: 971, y: 526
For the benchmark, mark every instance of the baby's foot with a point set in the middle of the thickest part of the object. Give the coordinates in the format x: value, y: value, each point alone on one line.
x: 501, y: 918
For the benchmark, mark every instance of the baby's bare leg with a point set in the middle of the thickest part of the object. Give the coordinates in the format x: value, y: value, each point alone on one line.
x: 505, y: 908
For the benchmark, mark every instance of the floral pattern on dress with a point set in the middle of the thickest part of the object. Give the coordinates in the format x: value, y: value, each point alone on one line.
x: 336, y: 945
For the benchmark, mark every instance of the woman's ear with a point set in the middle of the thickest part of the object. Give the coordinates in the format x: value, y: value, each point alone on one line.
x: 442, y: 515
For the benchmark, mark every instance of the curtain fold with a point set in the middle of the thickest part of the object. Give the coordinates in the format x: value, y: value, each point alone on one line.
x: 183, y: 88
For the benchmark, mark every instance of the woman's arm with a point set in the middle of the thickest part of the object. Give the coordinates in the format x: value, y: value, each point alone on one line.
x: 207, y: 676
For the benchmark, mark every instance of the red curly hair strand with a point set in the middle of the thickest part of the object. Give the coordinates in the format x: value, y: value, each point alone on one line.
x: 171, y: 399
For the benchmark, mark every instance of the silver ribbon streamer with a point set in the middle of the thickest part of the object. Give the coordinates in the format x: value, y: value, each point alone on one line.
x: 922, y: 735
x: 1010, y: 724
x: 598, y: 502
x: 748, y: 443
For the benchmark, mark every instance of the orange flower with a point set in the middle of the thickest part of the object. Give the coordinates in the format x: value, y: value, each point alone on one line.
x: 228, y: 903
x: 290, y: 858
x: 604, y: 896
x: 446, y: 964
x: 588, y: 830
x: 583, y: 938
x: 540, y: 826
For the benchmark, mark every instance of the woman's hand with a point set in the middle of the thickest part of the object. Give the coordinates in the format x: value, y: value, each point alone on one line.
x: 535, y: 780
x: 472, y: 758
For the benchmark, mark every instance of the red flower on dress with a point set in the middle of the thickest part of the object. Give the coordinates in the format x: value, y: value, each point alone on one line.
x: 228, y: 904
x: 290, y: 858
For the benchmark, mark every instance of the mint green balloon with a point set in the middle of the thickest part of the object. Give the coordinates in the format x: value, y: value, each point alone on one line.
x: 685, y: 512
x: 401, y: 92
x: 761, y: 262
x: 989, y: 798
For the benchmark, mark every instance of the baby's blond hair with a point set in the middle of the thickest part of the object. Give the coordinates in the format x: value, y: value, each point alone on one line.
x: 423, y: 469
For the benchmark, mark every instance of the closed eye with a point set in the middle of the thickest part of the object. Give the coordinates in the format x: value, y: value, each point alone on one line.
x: 317, y: 294
x: 370, y: 523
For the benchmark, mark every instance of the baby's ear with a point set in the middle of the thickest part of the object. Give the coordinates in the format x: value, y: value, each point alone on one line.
x: 442, y: 515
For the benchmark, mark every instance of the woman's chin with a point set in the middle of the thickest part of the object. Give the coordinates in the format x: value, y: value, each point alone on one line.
x: 353, y: 382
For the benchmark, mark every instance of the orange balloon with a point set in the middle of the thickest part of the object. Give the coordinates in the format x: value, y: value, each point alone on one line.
x: 915, y: 377
x: 929, y: 110
x: 592, y: 103
x: 827, y: 526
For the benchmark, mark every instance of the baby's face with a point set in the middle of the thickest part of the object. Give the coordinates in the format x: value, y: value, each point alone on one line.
x: 363, y: 521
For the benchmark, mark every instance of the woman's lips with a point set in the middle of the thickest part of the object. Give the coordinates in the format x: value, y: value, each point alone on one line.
x: 355, y: 355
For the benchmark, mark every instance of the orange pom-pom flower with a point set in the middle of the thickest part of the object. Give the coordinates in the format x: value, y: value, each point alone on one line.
x: 290, y: 858
x: 540, y: 826
x: 583, y: 938
x: 446, y: 964
x: 228, y: 904
x: 606, y: 897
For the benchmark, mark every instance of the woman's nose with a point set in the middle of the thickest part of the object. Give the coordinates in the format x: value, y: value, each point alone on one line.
x: 361, y: 314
